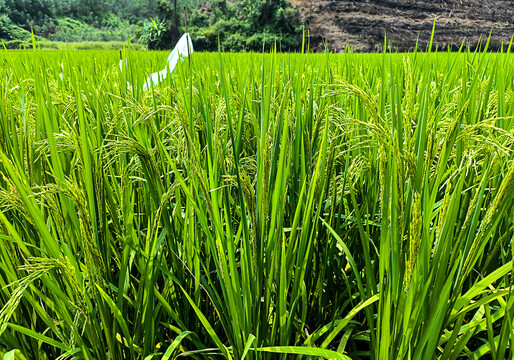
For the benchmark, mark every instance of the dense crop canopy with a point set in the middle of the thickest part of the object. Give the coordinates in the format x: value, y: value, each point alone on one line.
x: 253, y: 206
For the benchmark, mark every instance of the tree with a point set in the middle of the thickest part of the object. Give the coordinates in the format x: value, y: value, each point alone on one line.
x: 29, y: 12
x: 164, y: 31
x: 168, y: 10
x: 247, y: 25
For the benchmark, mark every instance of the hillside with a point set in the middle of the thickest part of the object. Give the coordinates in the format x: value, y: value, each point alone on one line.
x: 362, y: 24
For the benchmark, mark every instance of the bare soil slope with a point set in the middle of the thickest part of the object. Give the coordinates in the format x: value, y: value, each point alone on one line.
x: 362, y: 24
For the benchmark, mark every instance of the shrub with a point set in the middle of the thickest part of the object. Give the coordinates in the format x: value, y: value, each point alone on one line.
x: 10, y: 31
x: 152, y: 34
x: 234, y: 42
x: 204, y: 38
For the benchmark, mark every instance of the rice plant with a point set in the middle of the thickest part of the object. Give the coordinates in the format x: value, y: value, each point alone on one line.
x: 257, y: 206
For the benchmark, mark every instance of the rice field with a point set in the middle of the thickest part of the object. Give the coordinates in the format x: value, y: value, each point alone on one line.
x: 257, y: 206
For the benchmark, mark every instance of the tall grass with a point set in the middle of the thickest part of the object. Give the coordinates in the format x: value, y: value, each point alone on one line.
x: 257, y: 206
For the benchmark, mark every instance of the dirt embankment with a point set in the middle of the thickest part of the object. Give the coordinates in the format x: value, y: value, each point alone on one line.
x: 362, y: 24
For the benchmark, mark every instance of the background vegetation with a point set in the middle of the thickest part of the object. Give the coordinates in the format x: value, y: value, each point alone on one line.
x: 257, y: 206
x: 247, y: 25
x: 157, y: 24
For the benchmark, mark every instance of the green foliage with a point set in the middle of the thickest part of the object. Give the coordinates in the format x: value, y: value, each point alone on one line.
x: 247, y: 25
x: 111, y: 21
x: 205, y: 39
x: 199, y: 19
x: 233, y: 42
x: 30, y: 13
x: 164, y: 33
x: 153, y: 34
x: 240, y: 25
x: 257, y: 206
x: 10, y: 31
x: 72, y: 30
x: 78, y: 20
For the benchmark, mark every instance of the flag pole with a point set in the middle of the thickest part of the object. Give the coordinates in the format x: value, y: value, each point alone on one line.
x: 189, y: 38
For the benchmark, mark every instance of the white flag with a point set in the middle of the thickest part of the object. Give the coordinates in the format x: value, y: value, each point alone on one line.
x: 184, y: 48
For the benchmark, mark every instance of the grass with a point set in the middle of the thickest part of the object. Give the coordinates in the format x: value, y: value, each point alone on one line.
x: 257, y: 206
